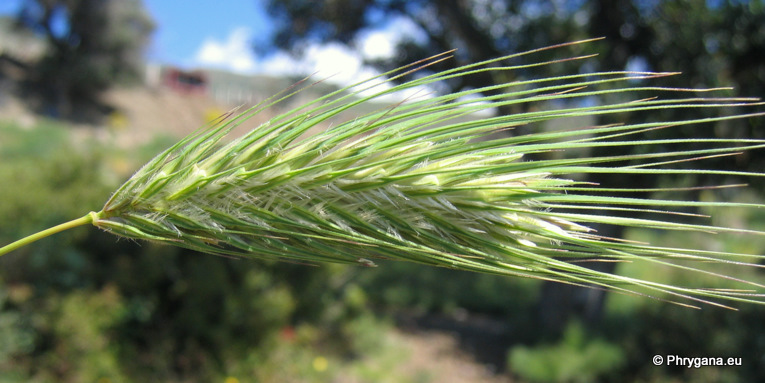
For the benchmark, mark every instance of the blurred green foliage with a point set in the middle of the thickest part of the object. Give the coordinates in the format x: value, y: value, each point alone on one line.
x: 84, y: 306
x: 577, y: 358
x: 713, y: 43
x: 428, y: 289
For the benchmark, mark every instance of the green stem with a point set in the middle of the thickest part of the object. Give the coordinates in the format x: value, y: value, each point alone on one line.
x: 88, y: 218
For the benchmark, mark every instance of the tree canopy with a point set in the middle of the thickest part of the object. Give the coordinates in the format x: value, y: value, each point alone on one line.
x: 92, y: 45
x: 713, y: 44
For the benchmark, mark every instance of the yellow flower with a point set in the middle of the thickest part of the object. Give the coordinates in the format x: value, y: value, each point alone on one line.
x: 320, y: 363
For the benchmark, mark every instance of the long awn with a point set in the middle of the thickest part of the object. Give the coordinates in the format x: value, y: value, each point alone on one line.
x: 431, y: 180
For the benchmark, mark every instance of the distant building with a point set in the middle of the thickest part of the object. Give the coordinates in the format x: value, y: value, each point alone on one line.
x: 183, y: 81
x: 232, y: 89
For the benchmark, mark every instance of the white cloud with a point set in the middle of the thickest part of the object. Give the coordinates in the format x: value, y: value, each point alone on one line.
x: 381, y: 43
x: 338, y: 62
x: 343, y: 66
x: 280, y: 64
x: 234, y: 54
x: 377, y: 45
x: 334, y: 62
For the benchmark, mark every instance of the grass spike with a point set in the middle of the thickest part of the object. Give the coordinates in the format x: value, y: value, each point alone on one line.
x: 428, y: 180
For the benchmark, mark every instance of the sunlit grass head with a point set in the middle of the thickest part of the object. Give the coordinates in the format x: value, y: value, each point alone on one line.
x: 434, y: 180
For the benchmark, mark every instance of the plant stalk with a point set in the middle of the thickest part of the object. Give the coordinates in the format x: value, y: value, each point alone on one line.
x: 87, y: 219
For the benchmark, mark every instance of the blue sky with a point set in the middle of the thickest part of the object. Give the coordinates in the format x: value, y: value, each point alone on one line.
x: 184, y: 26
x: 220, y: 34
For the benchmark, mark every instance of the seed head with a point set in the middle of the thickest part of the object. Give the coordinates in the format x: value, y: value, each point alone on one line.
x: 418, y: 181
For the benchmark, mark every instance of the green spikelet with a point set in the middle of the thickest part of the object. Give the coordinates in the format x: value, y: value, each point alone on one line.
x: 427, y: 180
